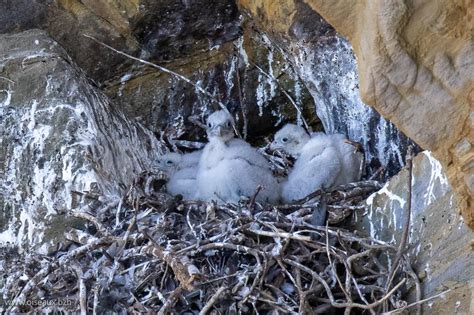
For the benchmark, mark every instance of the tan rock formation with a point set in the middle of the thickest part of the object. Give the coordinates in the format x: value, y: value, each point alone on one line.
x: 416, y: 67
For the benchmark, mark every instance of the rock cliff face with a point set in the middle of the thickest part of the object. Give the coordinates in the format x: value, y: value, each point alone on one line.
x: 59, y: 138
x: 78, y: 118
x: 204, y: 40
x: 440, y: 242
x: 326, y: 63
x: 416, y: 65
x: 163, y: 30
x: 229, y: 71
x: 201, y: 40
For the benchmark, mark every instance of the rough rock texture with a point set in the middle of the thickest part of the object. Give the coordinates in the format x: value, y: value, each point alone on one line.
x: 18, y: 15
x: 196, y: 38
x: 230, y: 73
x: 162, y: 30
x: 440, y: 242
x: 59, y: 137
x: 201, y: 40
x: 326, y: 64
x: 416, y: 65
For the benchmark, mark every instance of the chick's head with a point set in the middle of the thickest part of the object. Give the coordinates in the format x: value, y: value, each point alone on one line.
x: 169, y: 162
x: 220, y: 126
x: 290, y: 139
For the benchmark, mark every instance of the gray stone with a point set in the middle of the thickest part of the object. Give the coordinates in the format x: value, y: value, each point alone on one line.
x: 440, y: 243
x: 60, y: 137
x: 326, y: 63
x: 161, y: 30
x: 19, y: 15
x: 230, y: 73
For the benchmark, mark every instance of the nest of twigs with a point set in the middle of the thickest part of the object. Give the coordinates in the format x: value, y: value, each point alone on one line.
x: 154, y: 253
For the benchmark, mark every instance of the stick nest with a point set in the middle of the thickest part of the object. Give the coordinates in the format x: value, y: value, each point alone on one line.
x: 155, y: 253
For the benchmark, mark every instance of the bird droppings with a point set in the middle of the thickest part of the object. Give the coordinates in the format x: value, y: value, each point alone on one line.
x: 330, y: 73
x: 136, y: 247
x: 126, y: 77
x: 456, y: 306
x: 60, y: 137
x: 7, y: 97
x: 8, y: 236
x: 240, y: 249
x: 437, y: 179
x: 267, y: 86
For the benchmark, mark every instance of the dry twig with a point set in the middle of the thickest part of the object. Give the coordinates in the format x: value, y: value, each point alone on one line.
x: 219, y: 258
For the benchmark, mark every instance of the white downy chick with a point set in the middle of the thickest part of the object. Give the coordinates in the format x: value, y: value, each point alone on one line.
x: 169, y: 162
x: 230, y: 168
x: 182, y: 171
x: 323, y: 161
x: 290, y: 139
x: 351, y: 159
x: 318, y: 166
x: 191, y: 159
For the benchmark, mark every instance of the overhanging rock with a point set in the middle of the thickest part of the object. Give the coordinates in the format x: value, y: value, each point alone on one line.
x: 59, y: 136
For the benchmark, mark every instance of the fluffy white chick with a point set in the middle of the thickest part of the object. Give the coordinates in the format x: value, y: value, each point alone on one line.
x: 191, y: 159
x: 290, y: 139
x: 318, y: 166
x: 351, y: 159
x: 323, y: 161
x: 182, y: 171
x: 169, y: 162
x: 230, y: 168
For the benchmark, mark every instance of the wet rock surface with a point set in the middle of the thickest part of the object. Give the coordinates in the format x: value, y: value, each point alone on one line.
x: 160, y: 30
x: 60, y: 137
x: 184, y: 28
x: 204, y: 40
x: 201, y: 40
x: 19, y: 15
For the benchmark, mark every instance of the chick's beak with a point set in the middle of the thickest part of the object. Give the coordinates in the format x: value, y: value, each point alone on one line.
x: 216, y: 131
x: 274, y: 145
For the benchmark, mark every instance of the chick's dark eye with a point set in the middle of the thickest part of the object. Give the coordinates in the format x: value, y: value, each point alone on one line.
x: 169, y: 162
x: 209, y: 125
x: 284, y: 140
x: 228, y: 124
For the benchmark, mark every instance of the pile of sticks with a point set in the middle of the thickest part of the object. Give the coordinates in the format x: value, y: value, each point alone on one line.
x: 154, y: 253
